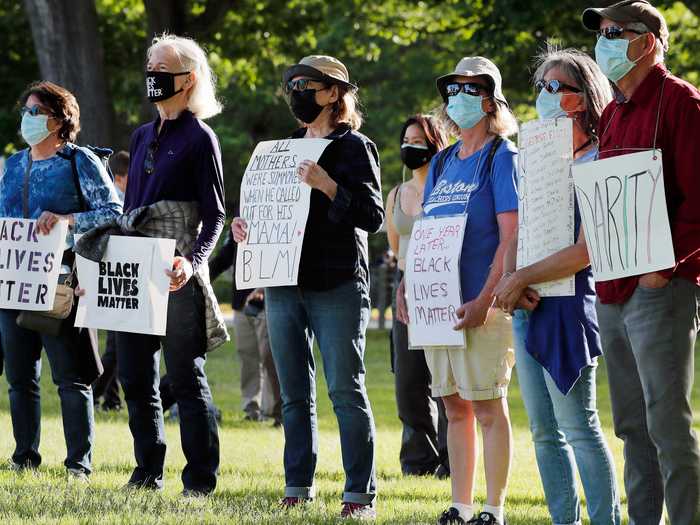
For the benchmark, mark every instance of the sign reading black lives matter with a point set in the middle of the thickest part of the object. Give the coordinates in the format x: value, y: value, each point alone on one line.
x: 275, y: 205
x: 29, y: 264
x: 128, y: 290
x: 433, y: 287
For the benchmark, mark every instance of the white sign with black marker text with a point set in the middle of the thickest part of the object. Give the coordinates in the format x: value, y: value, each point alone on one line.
x: 128, y: 290
x: 275, y: 205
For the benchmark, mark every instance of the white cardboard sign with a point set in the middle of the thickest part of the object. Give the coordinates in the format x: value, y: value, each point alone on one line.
x: 432, y: 282
x: 623, y: 208
x: 128, y: 290
x: 29, y: 264
x: 545, y: 197
x: 275, y: 204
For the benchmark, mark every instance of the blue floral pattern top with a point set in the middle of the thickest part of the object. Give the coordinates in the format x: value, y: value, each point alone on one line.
x: 51, y: 188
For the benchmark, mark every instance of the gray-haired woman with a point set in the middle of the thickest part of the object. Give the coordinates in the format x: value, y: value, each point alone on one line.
x: 557, y: 343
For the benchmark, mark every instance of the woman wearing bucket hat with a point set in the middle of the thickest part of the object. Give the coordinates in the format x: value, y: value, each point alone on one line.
x: 476, y: 177
x: 331, y: 300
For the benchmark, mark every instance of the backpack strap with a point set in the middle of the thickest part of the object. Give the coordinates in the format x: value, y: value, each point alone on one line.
x: 444, y: 154
x: 492, y: 153
x: 76, y: 178
x: 441, y: 158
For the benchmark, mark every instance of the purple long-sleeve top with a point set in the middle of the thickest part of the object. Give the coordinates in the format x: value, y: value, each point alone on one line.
x: 185, y: 165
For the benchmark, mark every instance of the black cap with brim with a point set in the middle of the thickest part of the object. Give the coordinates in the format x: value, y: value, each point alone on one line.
x: 302, y: 70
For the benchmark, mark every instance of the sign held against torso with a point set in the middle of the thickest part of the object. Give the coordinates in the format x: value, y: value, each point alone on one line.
x: 433, y: 288
x: 30, y: 264
x: 545, y: 197
x: 275, y: 205
x: 623, y: 209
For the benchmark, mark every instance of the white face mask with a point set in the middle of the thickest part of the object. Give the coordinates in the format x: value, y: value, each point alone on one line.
x: 34, y: 128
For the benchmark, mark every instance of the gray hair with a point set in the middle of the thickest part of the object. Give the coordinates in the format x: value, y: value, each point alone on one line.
x: 660, y: 47
x: 583, y: 70
x: 203, y: 102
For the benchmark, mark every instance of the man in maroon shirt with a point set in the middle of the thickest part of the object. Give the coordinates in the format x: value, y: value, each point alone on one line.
x: 649, y: 323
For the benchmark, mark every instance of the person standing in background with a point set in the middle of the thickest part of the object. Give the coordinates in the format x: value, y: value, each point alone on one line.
x: 423, y: 439
x: 252, y: 342
x: 107, y: 385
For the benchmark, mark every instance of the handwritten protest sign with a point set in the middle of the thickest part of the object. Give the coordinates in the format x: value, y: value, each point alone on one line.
x: 545, y: 197
x: 128, y: 290
x: 29, y: 264
x: 623, y: 208
x: 432, y: 281
x: 275, y: 204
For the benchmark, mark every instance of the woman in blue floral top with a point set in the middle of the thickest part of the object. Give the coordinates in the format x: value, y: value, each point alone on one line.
x: 50, y: 123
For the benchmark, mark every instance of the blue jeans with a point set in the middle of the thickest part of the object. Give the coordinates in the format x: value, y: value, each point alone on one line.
x: 566, y: 432
x: 338, y: 318
x: 184, y: 347
x: 23, y: 369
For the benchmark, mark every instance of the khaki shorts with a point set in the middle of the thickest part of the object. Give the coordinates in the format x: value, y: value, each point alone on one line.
x: 480, y: 371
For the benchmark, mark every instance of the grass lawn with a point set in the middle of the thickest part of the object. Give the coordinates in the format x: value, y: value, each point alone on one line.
x: 251, y: 479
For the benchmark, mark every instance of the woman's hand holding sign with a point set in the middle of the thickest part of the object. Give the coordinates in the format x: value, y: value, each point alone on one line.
x: 47, y: 220
x: 511, y: 293
x: 401, y: 305
x: 239, y: 229
x: 316, y: 177
x: 180, y: 274
x: 473, y: 314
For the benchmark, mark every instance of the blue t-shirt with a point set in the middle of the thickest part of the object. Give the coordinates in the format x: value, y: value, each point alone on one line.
x: 51, y: 188
x: 464, y: 186
x: 563, y: 332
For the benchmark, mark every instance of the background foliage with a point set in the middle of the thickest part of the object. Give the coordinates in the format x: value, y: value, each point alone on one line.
x: 394, y: 49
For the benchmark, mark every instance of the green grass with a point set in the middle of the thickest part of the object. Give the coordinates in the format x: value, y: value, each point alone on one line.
x: 252, y: 479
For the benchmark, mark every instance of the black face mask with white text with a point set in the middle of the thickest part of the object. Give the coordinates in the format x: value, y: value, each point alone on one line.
x: 160, y: 85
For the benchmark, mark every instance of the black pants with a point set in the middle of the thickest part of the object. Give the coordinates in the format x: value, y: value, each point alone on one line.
x: 424, y: 436
x: 184, y: 347
x: 107, y: 385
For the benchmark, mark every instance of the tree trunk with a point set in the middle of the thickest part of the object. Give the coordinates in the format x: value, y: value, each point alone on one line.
x: 69, y: 49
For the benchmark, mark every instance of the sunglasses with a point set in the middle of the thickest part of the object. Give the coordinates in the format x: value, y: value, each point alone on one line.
x: 470, y: 88
x: 615, y: 32
x: 35, y: 110
x: 300, y: 84
x: 149, y: 162
x: 554, y: 86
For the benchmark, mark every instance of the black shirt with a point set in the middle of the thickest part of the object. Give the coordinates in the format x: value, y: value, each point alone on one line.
x: 335, y: 243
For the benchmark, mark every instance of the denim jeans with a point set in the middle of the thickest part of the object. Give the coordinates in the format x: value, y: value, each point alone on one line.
x: 184, y: 347
x: 649, y: 347
x: 338, y: 318
x: 567, y: 434
x: 23, y: 369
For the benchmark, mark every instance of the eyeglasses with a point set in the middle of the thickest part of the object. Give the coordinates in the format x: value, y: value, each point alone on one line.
x: 300, y: 84
x: 615, y: 32
x: 149, y: 162
x: 554, y: 86
x: 470, y: 88
x: 35, y: 110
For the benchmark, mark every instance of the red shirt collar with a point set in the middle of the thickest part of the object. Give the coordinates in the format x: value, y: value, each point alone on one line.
x: 646, y: 89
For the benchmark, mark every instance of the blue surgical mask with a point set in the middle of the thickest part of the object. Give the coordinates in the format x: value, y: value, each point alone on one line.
x: 611, y: 56
x: 549, y: 105
x: 465, y: 110
x: 34, y: 128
